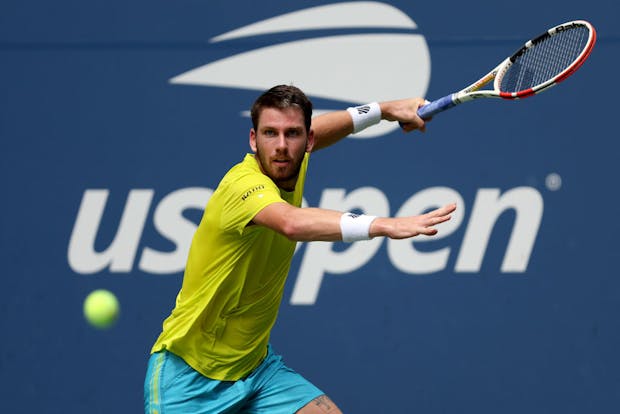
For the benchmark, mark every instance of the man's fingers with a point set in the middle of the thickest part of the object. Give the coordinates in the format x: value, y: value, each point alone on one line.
x: 440, y: 219
x: 438, y: 216
x: 429, y: 231
x: 412, y: 126
x: 443, y: 211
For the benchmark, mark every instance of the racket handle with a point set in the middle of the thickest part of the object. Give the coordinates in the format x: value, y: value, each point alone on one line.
x: 428, y: 111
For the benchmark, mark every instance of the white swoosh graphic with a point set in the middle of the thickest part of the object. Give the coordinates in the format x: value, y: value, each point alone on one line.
x: 353, y: 68
x: 357, y: 14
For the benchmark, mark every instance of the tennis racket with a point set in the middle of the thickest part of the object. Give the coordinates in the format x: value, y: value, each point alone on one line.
x: 540, y: 64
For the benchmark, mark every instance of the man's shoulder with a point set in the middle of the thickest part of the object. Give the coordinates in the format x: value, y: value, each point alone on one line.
x: 244, y: 170
x: 244, y: 177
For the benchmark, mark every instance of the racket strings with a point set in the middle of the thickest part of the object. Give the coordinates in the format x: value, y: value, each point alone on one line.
x: 545, y: 60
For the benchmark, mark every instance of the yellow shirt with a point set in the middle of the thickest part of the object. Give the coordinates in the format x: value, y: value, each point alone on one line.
x: 234, y: 278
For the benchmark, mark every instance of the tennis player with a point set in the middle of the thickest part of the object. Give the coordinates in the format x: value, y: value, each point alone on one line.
x: 214, y: 354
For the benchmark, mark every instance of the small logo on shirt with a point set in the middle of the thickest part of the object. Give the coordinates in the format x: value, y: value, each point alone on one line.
x: 251, y: 191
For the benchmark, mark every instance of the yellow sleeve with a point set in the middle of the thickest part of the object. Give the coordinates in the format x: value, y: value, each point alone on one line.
x: 244, y: 197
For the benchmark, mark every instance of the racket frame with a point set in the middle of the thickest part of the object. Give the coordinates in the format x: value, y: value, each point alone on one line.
x: 473, y: 91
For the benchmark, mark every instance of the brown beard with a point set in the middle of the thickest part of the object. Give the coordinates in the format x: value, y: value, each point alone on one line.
x: 280, y: 181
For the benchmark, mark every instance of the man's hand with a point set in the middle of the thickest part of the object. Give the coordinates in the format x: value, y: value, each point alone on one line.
x: 405, y: 111
x: 405, y: 227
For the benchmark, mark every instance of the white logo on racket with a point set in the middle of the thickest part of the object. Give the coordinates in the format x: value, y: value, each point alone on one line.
x: 322, y: 63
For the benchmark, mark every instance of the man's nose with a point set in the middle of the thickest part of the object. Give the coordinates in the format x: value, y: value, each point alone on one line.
x: 281, y: 142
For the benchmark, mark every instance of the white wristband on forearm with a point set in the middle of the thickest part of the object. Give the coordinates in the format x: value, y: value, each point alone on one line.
x: 355, y: 227
x: 365, y: 115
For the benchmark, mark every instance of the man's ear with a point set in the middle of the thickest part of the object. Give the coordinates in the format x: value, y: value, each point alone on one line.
x: 310, y: 143
x: 253, y: 139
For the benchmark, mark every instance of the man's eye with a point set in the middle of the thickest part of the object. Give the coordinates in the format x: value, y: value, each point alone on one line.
x: 269, y: 133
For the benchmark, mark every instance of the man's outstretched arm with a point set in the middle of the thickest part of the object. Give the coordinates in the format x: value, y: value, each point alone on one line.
x: 316, y: 224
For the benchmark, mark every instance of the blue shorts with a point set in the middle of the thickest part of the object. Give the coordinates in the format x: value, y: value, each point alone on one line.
x: 172, y: 386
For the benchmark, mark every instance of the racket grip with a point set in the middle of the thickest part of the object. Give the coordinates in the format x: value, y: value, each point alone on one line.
x: 428, y: 111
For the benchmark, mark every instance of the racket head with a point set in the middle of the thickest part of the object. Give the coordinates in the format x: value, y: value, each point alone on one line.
x: 545, y: 60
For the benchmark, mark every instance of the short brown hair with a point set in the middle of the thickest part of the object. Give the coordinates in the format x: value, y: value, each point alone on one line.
x: 282, y: 97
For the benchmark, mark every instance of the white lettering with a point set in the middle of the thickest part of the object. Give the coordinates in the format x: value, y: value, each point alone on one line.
x: 403, y: 254
x: 120, y: 254
x: 528, y: 205
x: 170, y: 223
x: 320, y: 258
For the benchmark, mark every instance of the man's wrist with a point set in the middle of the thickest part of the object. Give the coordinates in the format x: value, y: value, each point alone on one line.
x: 364, y: 116
x: 355, y: 227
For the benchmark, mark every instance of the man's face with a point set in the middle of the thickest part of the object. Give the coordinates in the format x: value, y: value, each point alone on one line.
x: 280, y: 144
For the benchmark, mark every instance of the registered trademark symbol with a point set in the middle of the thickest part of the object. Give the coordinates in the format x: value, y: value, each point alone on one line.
x: 553, y: 182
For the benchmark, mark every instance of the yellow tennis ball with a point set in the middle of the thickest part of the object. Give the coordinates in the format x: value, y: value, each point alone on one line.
x: 101, y: 308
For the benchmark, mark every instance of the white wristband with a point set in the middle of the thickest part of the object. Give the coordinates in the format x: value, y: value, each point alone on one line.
x: 355, y: 227
x: 364, y: 116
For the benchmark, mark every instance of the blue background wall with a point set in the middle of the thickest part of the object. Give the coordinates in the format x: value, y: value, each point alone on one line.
x: 87, y: 104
